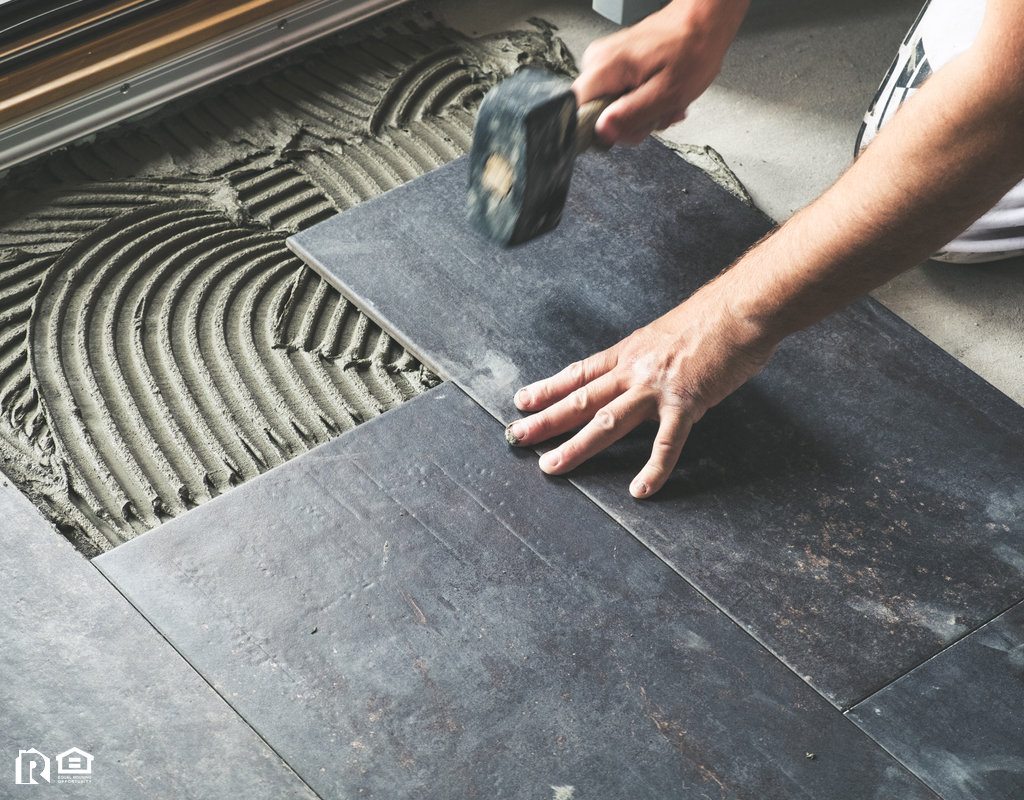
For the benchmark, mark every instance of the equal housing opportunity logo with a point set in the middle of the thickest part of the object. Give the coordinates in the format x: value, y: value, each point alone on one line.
x: 73, y: 766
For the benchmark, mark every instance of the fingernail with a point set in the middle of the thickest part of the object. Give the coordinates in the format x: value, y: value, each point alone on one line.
x: 514, y: 434
x: 550, y: 461
x: 524, y: 398
x: 639, y: 488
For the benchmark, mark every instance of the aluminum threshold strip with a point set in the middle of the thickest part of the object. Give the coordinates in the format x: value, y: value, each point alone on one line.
x: 140, y: 91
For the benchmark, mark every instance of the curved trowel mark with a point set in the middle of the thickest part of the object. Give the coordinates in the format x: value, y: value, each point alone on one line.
x: 158, y: 342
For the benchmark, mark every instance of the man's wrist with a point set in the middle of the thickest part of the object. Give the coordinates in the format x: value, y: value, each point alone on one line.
x: 750, y: 308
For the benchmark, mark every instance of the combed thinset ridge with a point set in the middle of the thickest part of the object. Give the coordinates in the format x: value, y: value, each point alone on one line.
x: 158, y: 342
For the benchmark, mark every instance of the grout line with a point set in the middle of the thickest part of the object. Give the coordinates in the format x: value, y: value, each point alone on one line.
x: 204, y: 679
x: 963, y: 637
x: 843, y: 710
x: 654, y: 552
x: 898, y: 760
x: 731, y: 617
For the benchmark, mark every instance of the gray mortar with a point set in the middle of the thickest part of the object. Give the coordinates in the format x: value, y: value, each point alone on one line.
x: 158, y: 343
x: 706, y: 158
x: 510, y: 437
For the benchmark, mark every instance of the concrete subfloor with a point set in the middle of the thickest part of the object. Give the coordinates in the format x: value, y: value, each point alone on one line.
x: 784, y: 113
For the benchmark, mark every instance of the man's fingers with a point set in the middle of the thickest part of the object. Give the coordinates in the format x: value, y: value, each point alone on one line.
x: 574, y: 409
x: 544, y: 393
x: 611, y: 422
x: 616, y: 415
x: 596, y: 84
x: 605, y: 69
x: 635, y: 115
x: 672, y: 433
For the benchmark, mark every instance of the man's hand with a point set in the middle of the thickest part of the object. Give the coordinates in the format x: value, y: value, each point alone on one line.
x: 949, y: 154
x: 659, y: 66
x: 672, y: 370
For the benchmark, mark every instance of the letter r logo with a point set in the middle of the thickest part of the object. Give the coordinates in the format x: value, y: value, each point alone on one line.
x: 30, y: 765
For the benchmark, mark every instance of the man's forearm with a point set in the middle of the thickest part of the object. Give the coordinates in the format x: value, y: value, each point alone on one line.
x: 948, y: 156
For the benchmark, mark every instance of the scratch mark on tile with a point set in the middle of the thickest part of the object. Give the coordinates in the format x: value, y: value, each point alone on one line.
x: 490, y: 511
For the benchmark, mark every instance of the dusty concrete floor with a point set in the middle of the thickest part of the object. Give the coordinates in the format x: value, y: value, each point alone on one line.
x: 784, y: 112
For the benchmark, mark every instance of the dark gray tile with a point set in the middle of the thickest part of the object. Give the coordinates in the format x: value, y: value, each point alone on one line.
x: 495, y: 319
x: 857, y: 507
x: 80, y: 668
x: 413, y: 610
x: 956, y: 721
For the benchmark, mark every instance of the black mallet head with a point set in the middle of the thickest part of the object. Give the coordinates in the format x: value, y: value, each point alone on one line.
x: 524, y: 146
